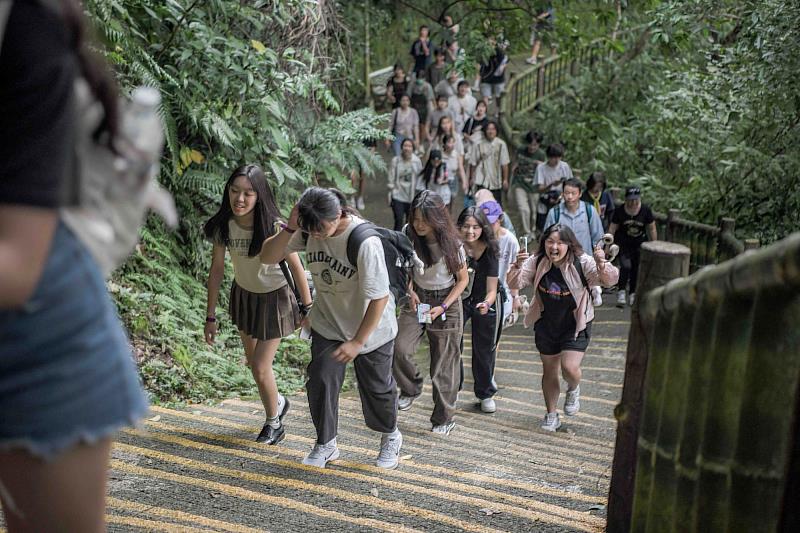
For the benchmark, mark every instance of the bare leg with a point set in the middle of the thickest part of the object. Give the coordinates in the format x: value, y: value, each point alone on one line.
x: 67, y: 494
x: 261, y: 367
x: 550, y: 384
x: 571, y: 368
x: 536, y: 46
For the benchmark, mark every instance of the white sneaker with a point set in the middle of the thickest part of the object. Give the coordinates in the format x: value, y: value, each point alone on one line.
x: 360, y: 203
x: 531, y: 61
x: 597, y: 296
x: 444, y: 429
x: 321, y: 454
x: 631, y: 298
x: 404, y: 402
x: 389, y: 456
x: 573, y: 402
x: 551, y: 422
x: 488, y: 405
x: 620, y: 298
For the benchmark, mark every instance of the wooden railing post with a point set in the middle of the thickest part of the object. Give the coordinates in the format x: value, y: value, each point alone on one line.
x: 726, y: 227
x: 660, y: 262
x: 672, y: 216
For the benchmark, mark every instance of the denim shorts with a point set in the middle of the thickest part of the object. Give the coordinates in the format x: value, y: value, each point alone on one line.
x: 66, y: 371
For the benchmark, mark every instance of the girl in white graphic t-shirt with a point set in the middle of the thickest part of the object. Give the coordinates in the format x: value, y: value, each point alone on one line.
x: 353, y: 319
x: 261, y: 304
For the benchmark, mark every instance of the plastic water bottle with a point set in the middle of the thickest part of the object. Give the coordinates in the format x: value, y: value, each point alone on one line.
x: 141, y: 126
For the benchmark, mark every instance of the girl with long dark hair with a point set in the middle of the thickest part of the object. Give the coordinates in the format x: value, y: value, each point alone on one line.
x: 561, y: 311
x: 439, y: 286
x: 262, y: 305
x: 482, y: 305
x: 435, y: 177
x: 352, y: 319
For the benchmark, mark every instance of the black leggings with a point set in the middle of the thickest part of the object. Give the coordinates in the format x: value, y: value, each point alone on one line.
x: 400, y: 211
x: 628, y: 268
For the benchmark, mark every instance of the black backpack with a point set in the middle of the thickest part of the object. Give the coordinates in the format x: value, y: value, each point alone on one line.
x: 398, y: 252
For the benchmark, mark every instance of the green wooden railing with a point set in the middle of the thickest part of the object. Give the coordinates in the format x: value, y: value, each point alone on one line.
x: 717, y: 444
x: 525, y: 90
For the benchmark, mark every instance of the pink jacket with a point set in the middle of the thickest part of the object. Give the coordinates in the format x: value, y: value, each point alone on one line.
x: 519, y: 278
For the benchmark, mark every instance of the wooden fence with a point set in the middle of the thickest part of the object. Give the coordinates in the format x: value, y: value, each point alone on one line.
x: 718, y: 443
x: 525, y: 90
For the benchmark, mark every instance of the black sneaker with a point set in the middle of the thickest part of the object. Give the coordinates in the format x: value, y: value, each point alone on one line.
x: 271, y: 435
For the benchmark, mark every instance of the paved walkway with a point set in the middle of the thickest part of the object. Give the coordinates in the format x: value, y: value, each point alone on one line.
x: 199, y: 470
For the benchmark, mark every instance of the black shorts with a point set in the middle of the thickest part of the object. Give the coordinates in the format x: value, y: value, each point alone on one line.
x: 548, y: 344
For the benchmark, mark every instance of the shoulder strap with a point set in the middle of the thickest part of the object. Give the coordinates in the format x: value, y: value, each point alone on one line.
x: 289, y: 279
x: 359, y: 234
x: 5, y: 11
x: 557, y: 214
x: 588, y: 212
x: 576, y: 262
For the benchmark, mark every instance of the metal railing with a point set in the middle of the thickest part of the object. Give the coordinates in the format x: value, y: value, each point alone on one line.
x: 716, y: 447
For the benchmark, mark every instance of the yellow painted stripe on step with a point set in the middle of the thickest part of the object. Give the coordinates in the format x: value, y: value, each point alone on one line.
x: 549, y: 513
x: 152, y: 525
x: 554, y: 459
x: 539, y: 374
x: 379, y: 474
x: 294, y: 484
x: 174, y: 514
x: 533, y: 405
x: 245, y: 494
x: 612, y: 403
x: 446, y: 473
x: 473, y: 436
x: 482, y: 420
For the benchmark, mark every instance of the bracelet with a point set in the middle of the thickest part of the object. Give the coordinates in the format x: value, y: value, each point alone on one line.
x: 211, y: 319
x: 287, y: 229
x: 444, y: 306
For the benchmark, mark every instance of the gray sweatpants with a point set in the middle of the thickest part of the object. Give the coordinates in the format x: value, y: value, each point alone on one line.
x: 376, y: 386
x: 444, y: 338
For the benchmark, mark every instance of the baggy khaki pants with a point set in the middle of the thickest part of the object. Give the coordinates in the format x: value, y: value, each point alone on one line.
x: 444, y: 337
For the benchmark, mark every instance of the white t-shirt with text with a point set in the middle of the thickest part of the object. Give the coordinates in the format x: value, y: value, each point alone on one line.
x: 344, y: 291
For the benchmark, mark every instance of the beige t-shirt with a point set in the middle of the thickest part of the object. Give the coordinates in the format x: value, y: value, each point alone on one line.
x: 437, y: 277
x: 488, y: 158
x: 344, y: 291
x: 249, y: 272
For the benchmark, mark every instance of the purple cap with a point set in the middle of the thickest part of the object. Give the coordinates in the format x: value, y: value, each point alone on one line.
x: 493, y: 210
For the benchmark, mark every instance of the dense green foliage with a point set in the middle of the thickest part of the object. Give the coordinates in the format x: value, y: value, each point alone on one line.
x: 703, y: 110
x: 241, y: 82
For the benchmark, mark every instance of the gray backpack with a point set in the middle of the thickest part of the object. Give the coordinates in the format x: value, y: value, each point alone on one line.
x: 112, y: 191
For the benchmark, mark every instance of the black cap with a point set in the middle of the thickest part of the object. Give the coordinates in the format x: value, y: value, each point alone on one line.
x: 633, y: 193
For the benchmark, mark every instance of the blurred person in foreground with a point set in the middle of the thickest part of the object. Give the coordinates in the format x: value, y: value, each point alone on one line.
x: 67, y: 379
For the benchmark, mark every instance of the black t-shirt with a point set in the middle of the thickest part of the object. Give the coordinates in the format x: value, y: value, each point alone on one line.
x: 474, y: 124
x: 486, y: 266
x: 420, y: 57
x: 631, y: 231
x: 399, y: 88
x: 559, y: 304
x: 38, y: 68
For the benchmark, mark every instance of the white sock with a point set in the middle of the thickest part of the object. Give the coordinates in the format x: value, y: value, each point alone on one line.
x: 392, y: 435
x: 274, y: 422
